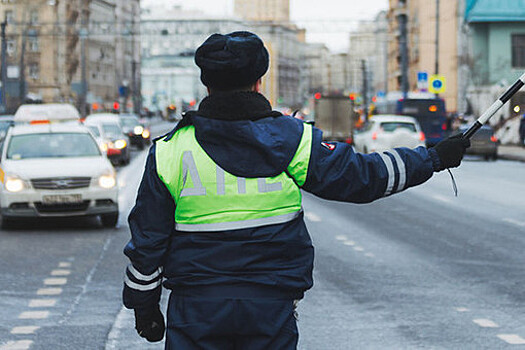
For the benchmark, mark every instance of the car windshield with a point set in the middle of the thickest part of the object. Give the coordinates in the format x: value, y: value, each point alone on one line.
x: 393, y: 126
x: 130, y: 122
x: 111, y: 130
x: 94, y: 130
x: 52, y: 145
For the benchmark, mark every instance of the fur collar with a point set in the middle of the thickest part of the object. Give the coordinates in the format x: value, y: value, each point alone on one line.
x: 239, y: 105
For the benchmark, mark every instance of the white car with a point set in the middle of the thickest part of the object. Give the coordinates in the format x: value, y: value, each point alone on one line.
x: 115, y: 142
x: 55, y: 169
x: 384, y: 132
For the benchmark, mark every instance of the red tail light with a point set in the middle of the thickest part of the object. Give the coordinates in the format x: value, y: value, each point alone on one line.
x: 493, y: 138
x: 421, y: 136
x: 348, y: 140
x: 374, y: 136
x: 444, y: 126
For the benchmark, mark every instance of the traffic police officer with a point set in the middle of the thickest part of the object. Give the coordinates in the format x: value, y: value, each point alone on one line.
x: 218, y: 215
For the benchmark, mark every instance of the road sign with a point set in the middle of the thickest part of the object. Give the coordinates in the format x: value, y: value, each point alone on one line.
x: 422, y: 81
x: 436, y: 84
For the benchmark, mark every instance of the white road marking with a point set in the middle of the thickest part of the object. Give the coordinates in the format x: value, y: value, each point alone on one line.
x: 17, y: 345
x: 89, y: 277
x: 350, y: 243
x: 442, y: 198
x: 42, y: 302
x: 370, y: 255
x: 64, y: 264
x: 485, y: 323
x: 341, y: 237
x: 514, y: 222
x: 34, y: 315
x: 312, y: 217
x: 60, y: 272
x: 513, y: 339
x: 461, y: 309
x: 55, y: 281
x: 123, y: 319
x: 359, y: 249
x: 49, y: 291
x: 25, y: 330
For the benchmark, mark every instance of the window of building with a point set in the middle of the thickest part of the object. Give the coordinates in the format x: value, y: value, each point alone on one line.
x: 33, y: 18
x: 33, y: 44
x: 518, y: 50
x: 9, y: 16
x: 11, y: 47
x: 34, y: 71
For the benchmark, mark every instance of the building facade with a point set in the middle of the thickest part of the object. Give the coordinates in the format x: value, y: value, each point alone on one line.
x: 424, y: 48
x: 263, y: 10
x: 67, y: 51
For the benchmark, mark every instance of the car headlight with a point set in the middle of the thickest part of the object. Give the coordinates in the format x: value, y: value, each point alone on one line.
x: 138, y: 130
x: 145, y: 134
x: 120, y: 144
x: 107, y: 181
x: 14, y: 184
x: 104, y: 147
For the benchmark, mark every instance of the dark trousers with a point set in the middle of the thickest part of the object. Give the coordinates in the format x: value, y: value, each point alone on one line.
x: 230, y: 324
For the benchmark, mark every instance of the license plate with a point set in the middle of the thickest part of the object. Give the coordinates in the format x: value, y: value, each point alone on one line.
x: 62, y: 199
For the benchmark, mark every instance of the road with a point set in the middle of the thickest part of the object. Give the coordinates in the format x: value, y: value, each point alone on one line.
x: 419, y: 270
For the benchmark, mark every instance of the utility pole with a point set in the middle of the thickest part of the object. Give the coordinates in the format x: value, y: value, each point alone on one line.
x: 83, y: 63
x: 403, y: 47
x: 365, y: 89
x: 3, y: 73
x: 436, y: 67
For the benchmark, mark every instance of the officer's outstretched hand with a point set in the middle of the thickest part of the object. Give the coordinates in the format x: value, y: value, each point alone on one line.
x: 451, y: 150
x: 149, y: 323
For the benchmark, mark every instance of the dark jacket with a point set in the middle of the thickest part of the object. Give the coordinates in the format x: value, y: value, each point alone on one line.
x: 242, y: 134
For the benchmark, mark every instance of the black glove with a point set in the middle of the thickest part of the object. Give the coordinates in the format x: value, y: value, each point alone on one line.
x: 149, y: 323
x: 451, y: 150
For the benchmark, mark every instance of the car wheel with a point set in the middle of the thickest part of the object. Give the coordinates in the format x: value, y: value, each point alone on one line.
x: 109, y: 220
x: 365, y: 150
x: 5, y: 223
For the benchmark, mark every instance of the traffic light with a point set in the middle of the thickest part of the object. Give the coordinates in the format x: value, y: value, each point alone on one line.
x: 116, y: 106
x: 352, y: 96
x: 317, y: 95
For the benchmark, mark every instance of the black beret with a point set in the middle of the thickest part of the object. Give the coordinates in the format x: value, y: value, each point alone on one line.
x: 232, y: 61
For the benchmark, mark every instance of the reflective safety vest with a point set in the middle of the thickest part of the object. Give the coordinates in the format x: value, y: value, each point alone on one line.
x: 208, y: 198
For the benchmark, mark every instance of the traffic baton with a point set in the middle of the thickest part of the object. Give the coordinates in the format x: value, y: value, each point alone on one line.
x: 495, y: 107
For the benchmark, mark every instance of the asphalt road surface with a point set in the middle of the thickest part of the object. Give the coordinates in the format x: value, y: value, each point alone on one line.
x: 419, y: 270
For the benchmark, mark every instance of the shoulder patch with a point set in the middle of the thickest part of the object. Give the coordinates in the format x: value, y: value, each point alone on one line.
x: 330, y: 146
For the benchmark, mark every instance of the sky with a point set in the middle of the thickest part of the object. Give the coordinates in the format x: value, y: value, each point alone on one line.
x: 325, y: 20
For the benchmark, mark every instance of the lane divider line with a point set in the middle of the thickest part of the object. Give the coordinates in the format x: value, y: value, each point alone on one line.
x: 485, y: 323
x: 350, y: 243
x: 42, y: 302
x: 25, y: 330
x: 17, y: 345
x: 341, y: 237
x: 312, y: 216
x: 462, y: 309
x: 55, y: 281
x: 512, y: 339
x: 33, y: 315
x: 358, y: 249
x: 64, y: 264
x: 49, y: 291
x: 514, y: 222
x: 60, y: 272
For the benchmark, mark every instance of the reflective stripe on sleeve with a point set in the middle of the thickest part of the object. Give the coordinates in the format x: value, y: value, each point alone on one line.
x: 391, y: 175
x: 236, y: 225
x: 402, y: 170
x: 141, y: 277
x: 141, y: 287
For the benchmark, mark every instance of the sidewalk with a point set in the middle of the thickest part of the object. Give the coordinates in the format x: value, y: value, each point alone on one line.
x: 511, y: 152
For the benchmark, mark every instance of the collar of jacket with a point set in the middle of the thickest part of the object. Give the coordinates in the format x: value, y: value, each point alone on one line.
x: 238, y: 105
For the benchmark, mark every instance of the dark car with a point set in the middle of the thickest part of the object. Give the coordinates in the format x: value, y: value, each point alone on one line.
x: 138, y: 133
x: 483, y: 143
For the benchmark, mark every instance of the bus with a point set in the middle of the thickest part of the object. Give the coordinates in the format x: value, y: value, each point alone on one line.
x: 429, y: 111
